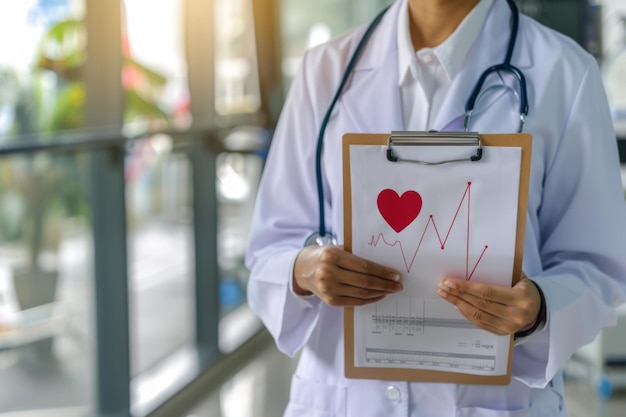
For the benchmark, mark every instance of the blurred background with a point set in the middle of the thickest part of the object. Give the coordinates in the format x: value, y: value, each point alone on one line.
x: 132, y: 137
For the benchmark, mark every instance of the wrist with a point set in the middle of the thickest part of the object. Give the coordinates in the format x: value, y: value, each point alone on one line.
x: 541, y: 317
x: 299, y: 265
x: 298, y: 290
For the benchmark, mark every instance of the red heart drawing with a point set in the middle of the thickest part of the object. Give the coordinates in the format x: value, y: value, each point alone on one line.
x: 399, y: 211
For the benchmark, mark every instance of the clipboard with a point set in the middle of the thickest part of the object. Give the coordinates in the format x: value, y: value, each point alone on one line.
x: 398, y: 139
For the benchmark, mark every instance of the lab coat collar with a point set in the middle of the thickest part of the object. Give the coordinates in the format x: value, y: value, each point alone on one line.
x: 374, y: 82
x: 489, y: 49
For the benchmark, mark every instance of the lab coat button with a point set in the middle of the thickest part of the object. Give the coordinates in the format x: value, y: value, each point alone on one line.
x: 393, y: 394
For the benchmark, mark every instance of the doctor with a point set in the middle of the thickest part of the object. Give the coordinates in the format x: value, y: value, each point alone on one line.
x: 416, y: 72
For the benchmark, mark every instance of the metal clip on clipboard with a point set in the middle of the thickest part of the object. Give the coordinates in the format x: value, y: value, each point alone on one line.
x: 434, y: 139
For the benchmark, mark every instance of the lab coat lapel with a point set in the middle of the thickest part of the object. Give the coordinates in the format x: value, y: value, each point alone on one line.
x: 371, y: 100
x: 489, y: 49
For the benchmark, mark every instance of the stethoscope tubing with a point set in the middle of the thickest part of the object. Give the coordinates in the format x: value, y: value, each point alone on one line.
x: 320, y: 139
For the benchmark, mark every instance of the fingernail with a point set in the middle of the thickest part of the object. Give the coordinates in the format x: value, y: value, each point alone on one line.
x: 442, y: 294
x: 449, y: 284
x: 396, y: 277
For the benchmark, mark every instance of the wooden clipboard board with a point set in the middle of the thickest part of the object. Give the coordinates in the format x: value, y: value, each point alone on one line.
x: 522, y: 141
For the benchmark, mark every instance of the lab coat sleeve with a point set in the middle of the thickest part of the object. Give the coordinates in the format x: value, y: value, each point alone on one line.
x: 583, y: 236
x: 285, y: 214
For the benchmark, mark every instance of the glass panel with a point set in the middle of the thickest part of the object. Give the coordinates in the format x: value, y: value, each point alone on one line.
x: 238, y: 174
x: 306, y: 24
x: 40, y: 65
x: 47, y: 333
x: 160, y: 245
x: 237, y: 88
x: 155, y: 71
x: 237, y: 177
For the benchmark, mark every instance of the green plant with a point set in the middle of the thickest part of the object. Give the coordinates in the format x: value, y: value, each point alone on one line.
x: 40, y: 189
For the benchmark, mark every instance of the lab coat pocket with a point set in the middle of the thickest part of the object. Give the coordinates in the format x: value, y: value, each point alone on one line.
x: 487, y: 412
x: 313, y: 399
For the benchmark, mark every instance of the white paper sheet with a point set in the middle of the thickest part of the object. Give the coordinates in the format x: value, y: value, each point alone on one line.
x: 431, y: 222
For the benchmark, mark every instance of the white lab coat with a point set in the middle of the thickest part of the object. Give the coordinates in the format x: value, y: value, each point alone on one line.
x: 576, y: 220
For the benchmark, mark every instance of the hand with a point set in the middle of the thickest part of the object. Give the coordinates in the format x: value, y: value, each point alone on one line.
x: 340, y: 278
x: 500, y: 310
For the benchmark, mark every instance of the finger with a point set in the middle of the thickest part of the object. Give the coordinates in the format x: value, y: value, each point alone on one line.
x: 350, y: 262
x: 331, y: 282
x: 368, y: 282
x: 493, y: 307
x: 349, y: 284
x: 484, y: 318
x: 518, y: 306
x: 494, y: 293
x: 351, y: 301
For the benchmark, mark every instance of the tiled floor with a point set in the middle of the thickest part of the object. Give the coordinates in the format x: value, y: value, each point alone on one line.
x: 261, y: 390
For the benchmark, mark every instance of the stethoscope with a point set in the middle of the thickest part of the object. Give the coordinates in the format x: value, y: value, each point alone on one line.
x: 322, y: 237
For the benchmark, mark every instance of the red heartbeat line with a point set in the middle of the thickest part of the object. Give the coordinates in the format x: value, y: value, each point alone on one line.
x: 431, y: 220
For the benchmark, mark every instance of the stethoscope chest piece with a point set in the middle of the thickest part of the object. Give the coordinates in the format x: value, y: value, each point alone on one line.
x: 316, y: 239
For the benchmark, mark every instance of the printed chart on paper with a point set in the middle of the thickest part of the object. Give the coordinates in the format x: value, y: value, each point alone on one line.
x: 430, y: 222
